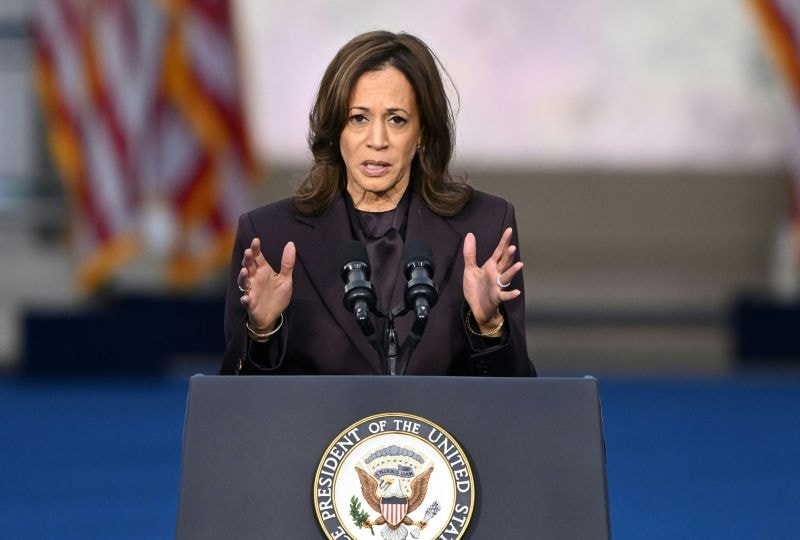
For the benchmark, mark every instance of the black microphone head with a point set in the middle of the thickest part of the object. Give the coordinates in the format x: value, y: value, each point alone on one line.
x: 418, y: 253
x: 349, y: 252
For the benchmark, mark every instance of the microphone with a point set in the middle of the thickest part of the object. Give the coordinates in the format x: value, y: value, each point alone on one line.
x: 359, y: 296
x: 421, y: 293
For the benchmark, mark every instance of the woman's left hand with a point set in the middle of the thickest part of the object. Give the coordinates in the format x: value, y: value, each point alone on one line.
x: 484, y: 288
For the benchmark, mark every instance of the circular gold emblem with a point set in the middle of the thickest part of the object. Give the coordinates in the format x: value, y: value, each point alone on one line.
x: 394, y: 476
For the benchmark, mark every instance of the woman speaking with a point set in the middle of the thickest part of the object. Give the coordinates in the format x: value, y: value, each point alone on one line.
x: 381, y: 134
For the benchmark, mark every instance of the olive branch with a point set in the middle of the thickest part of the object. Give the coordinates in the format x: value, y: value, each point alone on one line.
x: 359, y: 516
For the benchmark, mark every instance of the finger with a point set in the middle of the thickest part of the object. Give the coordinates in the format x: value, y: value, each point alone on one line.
x: 508, y: 275
x: 288, y: 259
x: 249, y: 262
x: 505, y: 240
x: 469, y: 251
x: 511, y: 271
x: 255, y: 248
x: 505, y: 296
x: 243, y: 279
x: 507, y: 258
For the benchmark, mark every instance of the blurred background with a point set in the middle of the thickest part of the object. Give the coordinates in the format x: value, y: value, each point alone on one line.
x: 650, y: 149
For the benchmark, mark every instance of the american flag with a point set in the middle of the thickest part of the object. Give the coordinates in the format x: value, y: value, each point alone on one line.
x: 780, y: 21
x: 141, y: 98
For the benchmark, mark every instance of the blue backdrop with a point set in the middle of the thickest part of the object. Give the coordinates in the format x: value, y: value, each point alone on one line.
x: 711, y: 458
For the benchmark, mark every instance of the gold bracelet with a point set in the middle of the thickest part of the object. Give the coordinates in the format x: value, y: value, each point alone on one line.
x: 262, y: 337
x: 490, y: 333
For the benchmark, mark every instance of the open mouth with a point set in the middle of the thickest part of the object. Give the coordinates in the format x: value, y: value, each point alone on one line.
x: 375, y: 168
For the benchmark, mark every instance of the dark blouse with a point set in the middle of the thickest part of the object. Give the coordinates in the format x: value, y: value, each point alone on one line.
x: 383, y: 234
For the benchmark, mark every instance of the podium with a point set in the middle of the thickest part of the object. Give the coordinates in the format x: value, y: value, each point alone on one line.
x: 253, y: 445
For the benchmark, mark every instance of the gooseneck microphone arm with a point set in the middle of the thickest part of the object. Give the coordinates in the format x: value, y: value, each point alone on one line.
x: 421, y: 294
x: 359, y: 295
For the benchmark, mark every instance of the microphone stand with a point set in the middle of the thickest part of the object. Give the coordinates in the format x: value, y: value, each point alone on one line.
x: 389, y: 355
x: 368, y: 329
x: 414, y: 337
x: 391, y: 347
x: 398, y: 362
x: 393, y: 359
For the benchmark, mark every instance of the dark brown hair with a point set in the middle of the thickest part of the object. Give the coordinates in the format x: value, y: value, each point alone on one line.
x: 430, y: 174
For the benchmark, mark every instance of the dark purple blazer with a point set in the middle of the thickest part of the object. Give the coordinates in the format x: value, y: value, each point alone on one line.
x: 319, y: 336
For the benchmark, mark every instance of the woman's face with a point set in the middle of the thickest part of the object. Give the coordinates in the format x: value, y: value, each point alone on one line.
x: 380, y: 139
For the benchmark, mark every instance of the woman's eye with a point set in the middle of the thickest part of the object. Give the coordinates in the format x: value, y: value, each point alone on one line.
x: 398, y: 120
x: 358, y: 119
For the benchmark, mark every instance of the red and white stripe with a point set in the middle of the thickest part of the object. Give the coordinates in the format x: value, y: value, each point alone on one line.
x: 123, y: 136
x: 394, y: 512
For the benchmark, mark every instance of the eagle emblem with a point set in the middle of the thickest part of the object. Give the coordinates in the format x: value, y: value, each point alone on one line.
x: 394, y: 476
x: 394, y: 482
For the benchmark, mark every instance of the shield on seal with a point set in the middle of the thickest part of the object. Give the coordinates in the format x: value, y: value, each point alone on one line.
x: 394, y: 509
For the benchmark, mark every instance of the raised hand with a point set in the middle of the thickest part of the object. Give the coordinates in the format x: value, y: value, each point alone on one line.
x: 485, y: 286
x: 265, y: 293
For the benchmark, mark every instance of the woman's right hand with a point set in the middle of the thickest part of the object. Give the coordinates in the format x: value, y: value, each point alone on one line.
x: 266, y: 294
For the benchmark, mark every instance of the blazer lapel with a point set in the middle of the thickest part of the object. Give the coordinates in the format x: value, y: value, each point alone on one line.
x: 445, y: 242
x: 317, y: 249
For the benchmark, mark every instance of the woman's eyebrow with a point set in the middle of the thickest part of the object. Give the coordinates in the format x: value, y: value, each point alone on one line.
x: 389, y: 110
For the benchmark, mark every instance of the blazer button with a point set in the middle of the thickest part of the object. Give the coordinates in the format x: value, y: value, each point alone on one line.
x: 239, y: 364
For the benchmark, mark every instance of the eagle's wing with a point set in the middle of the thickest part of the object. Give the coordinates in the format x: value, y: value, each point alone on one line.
x: 369, y: 489
x: 419, y: 487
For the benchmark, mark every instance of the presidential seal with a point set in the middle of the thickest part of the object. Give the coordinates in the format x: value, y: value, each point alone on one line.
x: 394, y: 476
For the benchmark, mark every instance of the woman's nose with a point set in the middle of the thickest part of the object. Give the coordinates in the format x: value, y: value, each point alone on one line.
x: 377, y: 136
